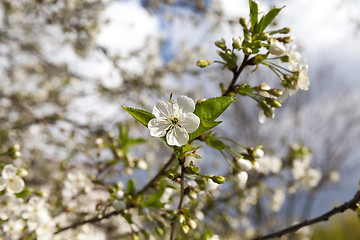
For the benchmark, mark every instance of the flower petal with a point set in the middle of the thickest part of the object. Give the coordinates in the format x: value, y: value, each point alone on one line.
x: 189, y: 121
x: 163, y: 109
x: 3, y: 183
x: 158, y: 126
x: 184, y: 104
x: 9, y: 171
x: 177, y: 136
x: 15, y: 185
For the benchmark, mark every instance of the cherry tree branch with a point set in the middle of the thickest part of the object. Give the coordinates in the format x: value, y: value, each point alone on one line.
x: 236, y: 75
x: 114, y: 213
x: 182, y: 194
x: 352, y: 204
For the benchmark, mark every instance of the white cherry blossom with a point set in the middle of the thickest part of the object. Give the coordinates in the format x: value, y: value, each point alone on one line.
x: 10, y: 181
x: 175, y: 120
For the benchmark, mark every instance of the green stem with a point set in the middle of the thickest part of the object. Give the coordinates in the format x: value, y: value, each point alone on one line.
x: 236, y: 76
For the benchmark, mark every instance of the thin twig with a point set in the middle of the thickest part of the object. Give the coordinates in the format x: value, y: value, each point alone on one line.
x: 92, y: 220
x: 236, y: 76
x: 352, y: 204
x: 157, y: 176
x: 182, y: 194
x: 114, y: 213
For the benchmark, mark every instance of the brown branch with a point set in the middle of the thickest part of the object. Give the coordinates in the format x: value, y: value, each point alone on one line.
x: 182, y: 194
x: 157, y: 176
x: 352, y: 204
x: 114, y: 213
x: 236, y: 76
x: 92, y: 220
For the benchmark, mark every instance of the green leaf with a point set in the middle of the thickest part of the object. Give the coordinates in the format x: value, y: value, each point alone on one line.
x: 266, y: 20
x: 127, y: 217
x: 136, y: 141
x: 202, y: 129
x: 130, y: 187
x: 208, y: 111
x: 154, y: 200
x: 215, y: 143
x: 253, y: 14
x: 123, y: 136
x: 142, y: 116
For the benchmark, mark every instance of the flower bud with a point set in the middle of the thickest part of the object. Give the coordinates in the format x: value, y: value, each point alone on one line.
x: 14, y: 151
x: 218, y: 179
x: 99, y: 142
x: 23, y: 172
x: 204, y: 63
x: 200, y: 101
x: 192, y: 224
x: 236, y: 43
x: 119, y: 194
x: 247, y: 51
x: 269, y: 113
x: 185, y: 229
x: 288, y: 39
x: 264, y: 36
x: 244, y: 164
x: 257, y: 59
x: 275, y: 92
x: 181, y: 218
x: 258, y: 153
x: 243, y: 22
x: 221, y: 44
x: 119, y: 205
x: 273, y: 102
x: 257, y: 44
x: 264, y: 86
x: 276, y: 48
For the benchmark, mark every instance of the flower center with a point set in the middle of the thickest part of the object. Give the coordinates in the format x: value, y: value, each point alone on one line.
x: 174, y: 120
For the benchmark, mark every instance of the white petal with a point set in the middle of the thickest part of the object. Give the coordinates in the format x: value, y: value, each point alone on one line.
x: 163, y: 109
x: 262, y: 116
x: 3, y: 183
x: 242, y: 178
x: 184, y: 104
x: 9, y: 171
x: 158, y: 126
x: 189, y: 121
x: 15, y: 185
x: 177, y: 136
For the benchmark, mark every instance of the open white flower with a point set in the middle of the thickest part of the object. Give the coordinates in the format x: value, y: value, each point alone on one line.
x: 10, y: 181
x: 177, y: 117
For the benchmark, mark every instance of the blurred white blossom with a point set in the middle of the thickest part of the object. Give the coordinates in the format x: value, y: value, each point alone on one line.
x: 10, y: 181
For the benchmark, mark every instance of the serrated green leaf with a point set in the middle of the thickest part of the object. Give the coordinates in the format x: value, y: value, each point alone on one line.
x: 202, y: 129
x: 130, y: 188
x: 142, y: 116
x: 210, y: 109
x: 253, y: 14
x: 266, y: 20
